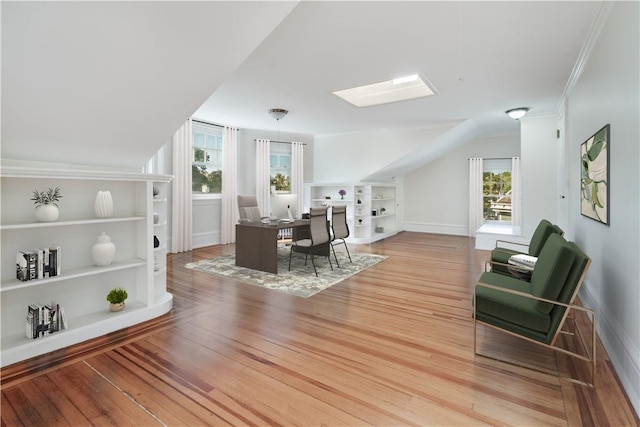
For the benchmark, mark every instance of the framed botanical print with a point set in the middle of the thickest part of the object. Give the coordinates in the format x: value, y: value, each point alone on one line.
x: 594, y: 176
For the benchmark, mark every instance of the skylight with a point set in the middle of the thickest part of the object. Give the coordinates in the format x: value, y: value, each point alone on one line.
x: 398, y: 89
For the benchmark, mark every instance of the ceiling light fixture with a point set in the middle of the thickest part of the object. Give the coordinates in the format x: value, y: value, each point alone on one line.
x: 278, y: 113
x: 517, y: 113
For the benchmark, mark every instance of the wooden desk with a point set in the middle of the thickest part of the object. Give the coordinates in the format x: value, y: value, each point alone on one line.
x: 257, y: 243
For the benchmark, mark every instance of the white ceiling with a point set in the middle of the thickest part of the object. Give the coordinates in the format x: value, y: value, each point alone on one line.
x: 482, y: 57
x: 107, y: 83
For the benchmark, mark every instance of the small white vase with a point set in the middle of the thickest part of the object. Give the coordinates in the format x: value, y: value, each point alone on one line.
x: 104, y: 204
x: 47, y: 213
x: 156, y: 218
x: 103, y: 250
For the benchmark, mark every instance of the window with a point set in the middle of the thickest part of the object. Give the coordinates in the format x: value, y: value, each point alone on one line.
x: 496, y: 190
x: 280, y: 163
x: 206, y: 170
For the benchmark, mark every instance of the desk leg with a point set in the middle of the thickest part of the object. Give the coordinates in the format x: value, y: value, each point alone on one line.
x: 257, y: 248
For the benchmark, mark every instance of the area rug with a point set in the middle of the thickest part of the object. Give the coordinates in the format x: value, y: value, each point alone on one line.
x: 301, y: 280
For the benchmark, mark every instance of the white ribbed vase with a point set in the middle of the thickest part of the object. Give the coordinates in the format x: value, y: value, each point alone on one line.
x: 103, y: 250
x: 104, y: 204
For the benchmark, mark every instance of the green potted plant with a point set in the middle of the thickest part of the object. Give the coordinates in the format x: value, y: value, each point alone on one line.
x: 116, y: 298
x: 47, y: 204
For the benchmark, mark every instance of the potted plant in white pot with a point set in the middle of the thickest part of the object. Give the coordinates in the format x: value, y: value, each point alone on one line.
x: 47, y: 204
x: 116, y: 298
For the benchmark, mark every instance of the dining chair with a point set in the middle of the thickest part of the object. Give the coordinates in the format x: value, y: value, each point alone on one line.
x: 318, y: 240
x: 340, y: 230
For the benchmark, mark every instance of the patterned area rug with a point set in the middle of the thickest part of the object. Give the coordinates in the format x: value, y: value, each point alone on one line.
x: 301, y: 280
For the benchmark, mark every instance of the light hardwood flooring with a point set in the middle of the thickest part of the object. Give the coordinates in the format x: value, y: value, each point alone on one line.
x: 391, y: 346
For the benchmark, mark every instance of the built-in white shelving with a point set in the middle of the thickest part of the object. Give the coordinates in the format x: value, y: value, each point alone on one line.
x: 81, y: 287
x: 371, y: 208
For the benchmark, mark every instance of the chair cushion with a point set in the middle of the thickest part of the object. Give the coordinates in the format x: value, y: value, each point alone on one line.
x: 551, y: 270
x: 540, y: 236
x: 509, y: 308
x: 501, y: 256
x: 251, y: 213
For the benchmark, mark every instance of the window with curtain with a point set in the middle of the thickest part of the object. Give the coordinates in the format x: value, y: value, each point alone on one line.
x: 496, y: 190
x: 280, y: 167
x: 206, y: 168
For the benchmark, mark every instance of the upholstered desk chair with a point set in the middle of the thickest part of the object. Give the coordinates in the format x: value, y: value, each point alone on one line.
x: 340, y: 230
x: 248, y: 210
x: 318, y: 240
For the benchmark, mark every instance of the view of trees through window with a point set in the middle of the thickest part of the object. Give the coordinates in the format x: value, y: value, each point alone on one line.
x: 496, y: 195
x: 280, y: 165
x: 206, y: 169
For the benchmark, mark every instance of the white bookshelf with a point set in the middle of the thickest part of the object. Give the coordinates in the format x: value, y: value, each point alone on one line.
x: 81, y: 287
x: 362, y: 199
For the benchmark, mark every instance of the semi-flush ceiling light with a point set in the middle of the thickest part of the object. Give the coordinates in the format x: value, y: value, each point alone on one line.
x: 399, y: 89
x: 517, y: 113
x: 278, y: 113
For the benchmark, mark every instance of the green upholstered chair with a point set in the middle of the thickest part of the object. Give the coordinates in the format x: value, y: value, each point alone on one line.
x: 538, y: 310
x: 504, y: 249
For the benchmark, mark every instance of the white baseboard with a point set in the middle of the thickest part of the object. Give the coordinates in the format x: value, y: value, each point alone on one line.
x: 422, y: 227
x: 200, y: 240
x: 624, y: 355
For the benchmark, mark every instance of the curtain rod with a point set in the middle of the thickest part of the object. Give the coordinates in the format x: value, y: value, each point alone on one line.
x: 283, y: 142
x: 212, y: 124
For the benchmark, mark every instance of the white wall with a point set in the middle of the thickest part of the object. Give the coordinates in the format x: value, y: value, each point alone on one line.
x: 608, y: 92
x: 352, y: 157
x: 539, y: 169
x: 436, y: 197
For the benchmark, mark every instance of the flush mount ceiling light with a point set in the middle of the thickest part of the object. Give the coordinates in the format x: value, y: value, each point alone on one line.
x: 399, y: 89
x: 278, y: 113
x: 517, y: 113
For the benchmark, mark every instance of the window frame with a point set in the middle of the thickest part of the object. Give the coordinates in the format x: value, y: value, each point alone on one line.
x: 218, y: 145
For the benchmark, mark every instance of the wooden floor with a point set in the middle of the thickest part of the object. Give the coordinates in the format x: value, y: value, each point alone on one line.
x: 391, y: 346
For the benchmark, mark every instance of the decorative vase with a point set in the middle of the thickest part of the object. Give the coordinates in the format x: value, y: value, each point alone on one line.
x: 103, y: 250
x: 47, y: 213
x: 104, y: 204
x: 116, y: 307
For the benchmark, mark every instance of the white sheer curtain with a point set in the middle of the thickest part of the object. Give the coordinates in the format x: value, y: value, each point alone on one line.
x: 475, y: 195
x: 516, y: 193
x: 263, y: 171
x: 181, y: 221
x: 297, y: 174
x: 229, y: 214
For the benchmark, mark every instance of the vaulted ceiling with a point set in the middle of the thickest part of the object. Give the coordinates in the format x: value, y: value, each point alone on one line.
x: 107, y: 83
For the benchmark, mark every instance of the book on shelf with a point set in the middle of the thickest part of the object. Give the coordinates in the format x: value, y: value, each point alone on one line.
x: 44, y: 319
x: 38, y: 264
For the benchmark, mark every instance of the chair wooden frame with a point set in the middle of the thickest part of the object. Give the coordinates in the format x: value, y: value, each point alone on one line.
x: 553, y: 345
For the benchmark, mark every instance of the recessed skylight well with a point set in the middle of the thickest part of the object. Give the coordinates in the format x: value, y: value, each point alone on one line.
x: 398, y: 89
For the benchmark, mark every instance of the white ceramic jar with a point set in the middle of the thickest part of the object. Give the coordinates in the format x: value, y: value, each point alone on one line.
x: 103, y: 250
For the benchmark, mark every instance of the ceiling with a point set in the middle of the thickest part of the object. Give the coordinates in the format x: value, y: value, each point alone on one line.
x: 108, y: 83
x: 482, y: 57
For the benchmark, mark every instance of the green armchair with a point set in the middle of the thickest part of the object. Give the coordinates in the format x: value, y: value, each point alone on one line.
x: 537, y: 310
x: 504, y: 249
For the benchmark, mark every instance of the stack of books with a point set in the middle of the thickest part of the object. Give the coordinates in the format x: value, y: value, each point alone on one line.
x: 523, y: 261
x: 38, y: 263
x: 43, y: 320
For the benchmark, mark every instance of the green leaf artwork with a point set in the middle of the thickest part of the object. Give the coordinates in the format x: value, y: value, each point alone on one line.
x: 594, y: 176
